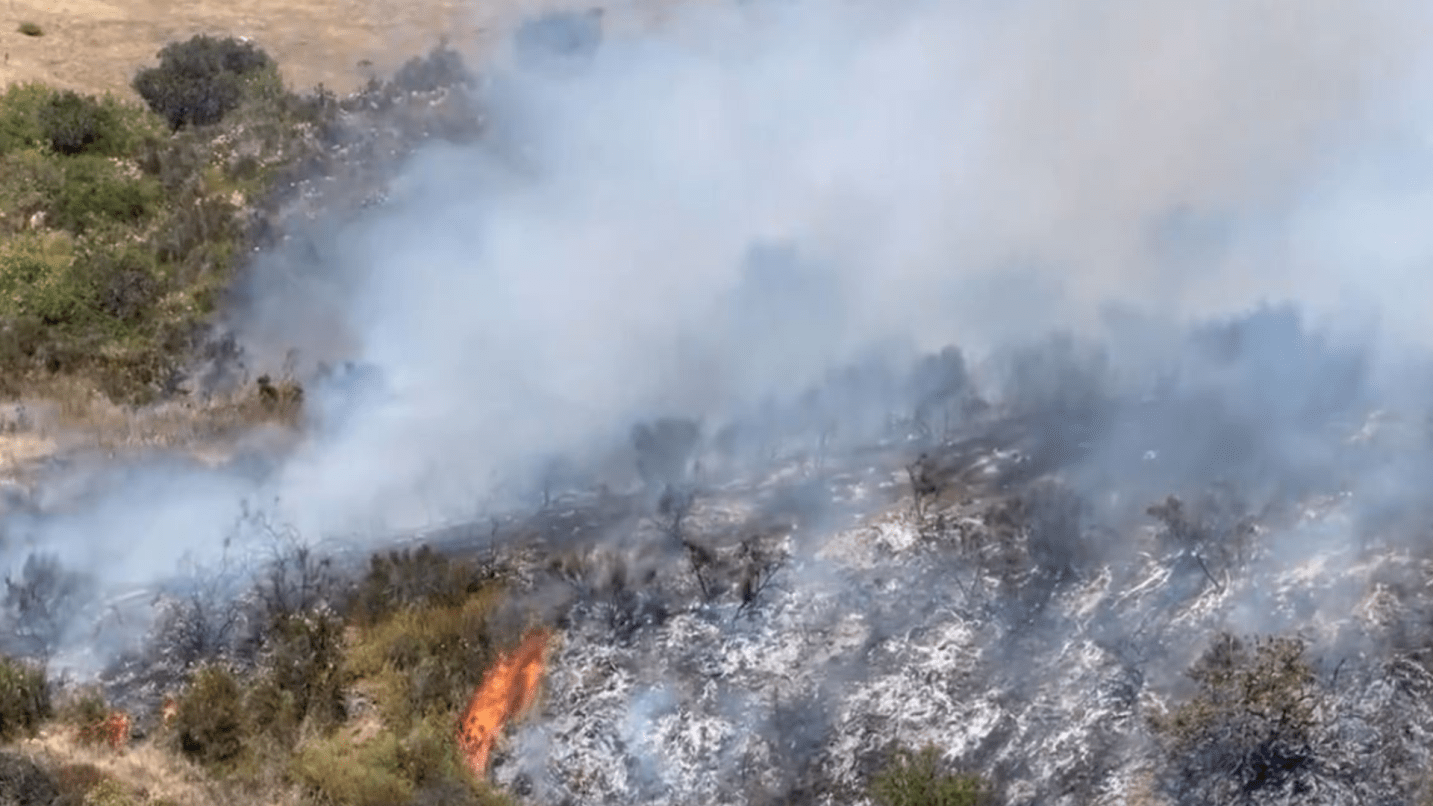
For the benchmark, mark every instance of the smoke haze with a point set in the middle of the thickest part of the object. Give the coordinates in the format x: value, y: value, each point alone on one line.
x: 719, y: 210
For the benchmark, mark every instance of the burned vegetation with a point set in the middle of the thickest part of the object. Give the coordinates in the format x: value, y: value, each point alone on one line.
x: 922, y: 580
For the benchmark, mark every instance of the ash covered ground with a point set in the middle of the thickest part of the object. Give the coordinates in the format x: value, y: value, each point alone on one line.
x: 987, y: 594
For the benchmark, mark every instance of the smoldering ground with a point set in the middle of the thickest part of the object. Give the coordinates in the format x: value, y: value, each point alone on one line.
x: 711, y: 218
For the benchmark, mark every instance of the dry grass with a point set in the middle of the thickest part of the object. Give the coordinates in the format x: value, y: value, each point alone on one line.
x: 67, y: 417
x: 97, y: 46
x: 152, y: 773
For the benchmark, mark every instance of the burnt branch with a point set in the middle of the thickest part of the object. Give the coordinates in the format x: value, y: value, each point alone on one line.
x: 42, y: 602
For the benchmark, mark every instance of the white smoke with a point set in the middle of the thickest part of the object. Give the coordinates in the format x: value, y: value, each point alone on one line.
x: 955, y: 172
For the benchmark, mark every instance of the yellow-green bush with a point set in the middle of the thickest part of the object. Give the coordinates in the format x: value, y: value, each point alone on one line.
x: 94, y: 189
x: 20, y: 117
x: 24, y: 698
x: 1251, y: 723
x: 916, y: 779
x: 302, y: 677
x: 351, y: 774
x: 391, y: 768
x: 209, y: 724
x: 426, y: 660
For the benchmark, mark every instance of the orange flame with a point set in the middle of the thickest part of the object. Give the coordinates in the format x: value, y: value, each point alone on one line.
x: 508, y: 690
x: 113, y: 730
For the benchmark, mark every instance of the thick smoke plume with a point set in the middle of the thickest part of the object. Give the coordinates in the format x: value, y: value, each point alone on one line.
x: 723, y: 209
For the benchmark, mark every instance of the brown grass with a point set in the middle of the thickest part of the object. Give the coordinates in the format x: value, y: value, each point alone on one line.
x: 65, y: 416
x: 142, y: 768
x: 98, y: 45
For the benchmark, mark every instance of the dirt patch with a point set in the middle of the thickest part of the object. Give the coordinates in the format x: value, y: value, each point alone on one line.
x: 98, y: 45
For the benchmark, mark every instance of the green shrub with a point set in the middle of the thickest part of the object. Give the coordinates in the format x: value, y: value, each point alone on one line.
x: 351, y: 774
x: 916, y: 779
x: 74, y: 123
x: 94, y: 190
x: 124, y: 282
x: 52, y: 297
x: 30, y: 29
x: 24, y: 699
x: 210, y: 720
x: 1251, y: 723
x: 304, y: 676
x: 419, y: 766
x: 20, y: 118
x: 426, y: 660
x: 200, y: 81
x: 403, y: 579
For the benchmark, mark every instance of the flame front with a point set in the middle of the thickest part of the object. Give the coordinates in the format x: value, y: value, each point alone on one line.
x: 508, y: 689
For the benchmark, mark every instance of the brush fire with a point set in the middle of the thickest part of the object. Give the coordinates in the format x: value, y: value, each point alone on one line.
x: 506, y: 693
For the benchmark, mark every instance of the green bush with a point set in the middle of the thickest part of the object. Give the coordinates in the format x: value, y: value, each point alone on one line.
x: 51, y: 297
x: 124, y: 282
x: 200, y: 81
x: 407, y: 578
x: 352, y: 774
x: 210, y: 720
x: 916, y: 779
x: 74, y: 124
x: 1251, y: 723
x: 426, y: 660
x: 30, y: 29
x: 303, y: 663
x: 20, y: 117
x: 94, y: 190
x: 420, y: 766
x: 24, y: 699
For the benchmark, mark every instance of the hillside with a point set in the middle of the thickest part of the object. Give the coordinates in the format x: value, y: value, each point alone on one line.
x: 748, y: 402
x: 96, y: 46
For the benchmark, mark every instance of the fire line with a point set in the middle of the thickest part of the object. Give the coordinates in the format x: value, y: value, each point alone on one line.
x: 506, y: 692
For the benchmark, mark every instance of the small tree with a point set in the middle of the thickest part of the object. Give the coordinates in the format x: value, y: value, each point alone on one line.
x: 665, y: 449
x: 200, y: 81
x: 939, y: 388
x: 925, y: 487
x: 42, y: 602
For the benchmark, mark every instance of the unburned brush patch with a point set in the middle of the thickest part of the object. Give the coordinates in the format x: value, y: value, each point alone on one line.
x: 1251, y: 724
x: 426, y: 660
x: 24, y: 699
x: 918, y: 779
x: 209, y: 723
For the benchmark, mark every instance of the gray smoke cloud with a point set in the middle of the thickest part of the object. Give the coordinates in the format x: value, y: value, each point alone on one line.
x: 947, y: 172
x: 719, y: 210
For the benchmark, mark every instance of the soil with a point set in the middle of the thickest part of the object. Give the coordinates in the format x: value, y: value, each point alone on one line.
x: 97, y: 46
